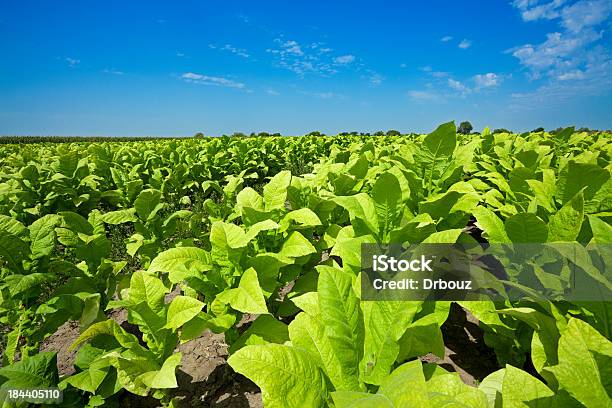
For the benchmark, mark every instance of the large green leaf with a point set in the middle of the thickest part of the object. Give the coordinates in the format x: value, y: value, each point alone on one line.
x: 288, y: 376
x: 526, y: 228
x: 42, y: 235
x: 181, y: 310
x: 521, y: 390
x: 342, y: 318
x: 564, y: 226
x: 182, y: 263
x: 247, y: 297
x: 275, y: 192
x: 585, y: 364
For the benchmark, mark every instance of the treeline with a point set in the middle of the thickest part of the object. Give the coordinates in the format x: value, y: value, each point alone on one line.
x: 73, y: 139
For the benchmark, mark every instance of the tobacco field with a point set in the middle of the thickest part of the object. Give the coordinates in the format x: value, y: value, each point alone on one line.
x: 127, y: 253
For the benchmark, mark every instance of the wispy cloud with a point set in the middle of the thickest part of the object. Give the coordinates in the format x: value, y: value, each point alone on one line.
x: 72, y: 62
x: 192, y: 77
x: 375, y: 78
x: 302, y: 60
x: 272, y: 92
x: 566, y: 54
x: 113, y: 71
x: 488, y: 80
x: 344, y: 59
x: 241, y: 52
x: 465, y: 44
x: 446, y: 38
x: 180, y: 54
x: 457, y: 86
x: 322, y: 95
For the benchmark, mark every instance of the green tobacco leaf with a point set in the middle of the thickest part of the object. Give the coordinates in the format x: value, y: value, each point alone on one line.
x: 275, y: 192
x: 108, y: 327
x: 12, y: 226
x: 250, y: 198
x: 585, y: 364
x: 491, y: 225
x: 387, y: 195
x: 341, y: 317
x: 147, y: 204
x: 443, y: 237
x: 564, y: 226
x: 297, y: 245
x: 521, y: 390
x: 90, y: 379
x: 308, y: 333
x: 42, y: 235
x: 38, y: 371
x: 288, y: 377
x: 120, y: 216
x: 526, y: 228
x: 353, y: 399
x: 408, y: 376
x: 602, y: 231
x: 362, y: 208
x: 576, y: 176
x: 165, y: 377
x: 491, y: 386
x: 302, y: 218
x: 384, y: 324
x: 13, y: 250
x: 182, y: 263
x: 181, y: 310
x: 146, y: 287
x: 265, y: 329
x: 247, y: 297
x: 442, y: 141
x: 226, y: 236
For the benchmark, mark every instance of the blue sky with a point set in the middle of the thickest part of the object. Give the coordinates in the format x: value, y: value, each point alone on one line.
x: 175, y: 68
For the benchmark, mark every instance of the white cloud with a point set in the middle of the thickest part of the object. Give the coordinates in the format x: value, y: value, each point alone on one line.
x: 585, y: 14
x: 241, y: 52
x: 180, y: 54
x: 211, y: 80
x: 465, y: 44
x: 272, y: 92
x: 457, y: 86
x: 344, y: 59
x: 72, y: 62
x: 292, y: 47
x: 571, y: 75
x: 375, y: 78
x: 487, y: 80
x: 532, y: 10
x: 113, y: 71
x: 322, y: 95
x: 446, y: 38
x: 565, y: 53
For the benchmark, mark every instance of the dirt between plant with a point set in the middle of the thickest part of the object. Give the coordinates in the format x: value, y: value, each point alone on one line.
x: 206, y: 380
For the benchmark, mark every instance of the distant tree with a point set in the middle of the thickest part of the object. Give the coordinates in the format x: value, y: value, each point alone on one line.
x: 199, y: 135
x: 584, y: 129
x: 315, y: 133
x: 538, y: 130
x: 238, y: 134
x: 379, y: 133
x: 393, y: 132
x: 501, y: 130
x: 276, y: 134
x: 557, y: 130
x: 263, y: 134
x: 465, y: 128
